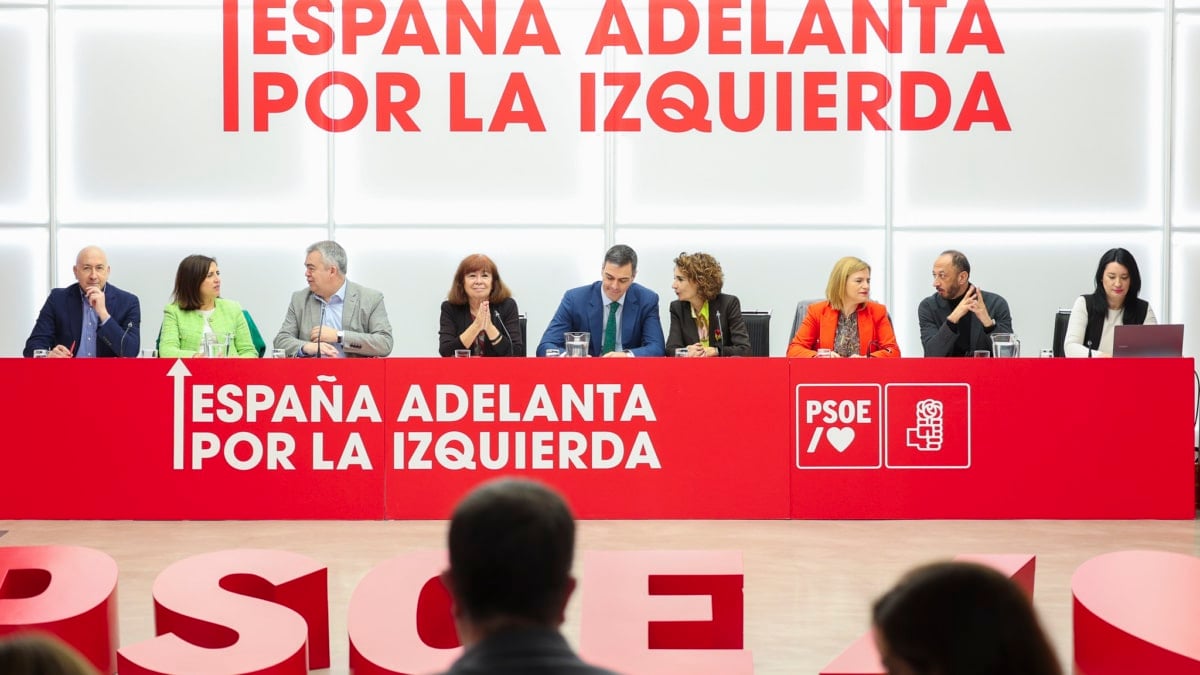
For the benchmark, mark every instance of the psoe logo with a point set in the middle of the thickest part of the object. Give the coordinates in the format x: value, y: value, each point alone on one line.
x: 839, y: 426
x: 927, y: 425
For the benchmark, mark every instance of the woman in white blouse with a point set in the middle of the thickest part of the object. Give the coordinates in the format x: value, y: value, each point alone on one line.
x: 1115, y: 302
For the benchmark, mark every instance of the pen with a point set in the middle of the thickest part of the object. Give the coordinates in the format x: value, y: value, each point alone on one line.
x: 72, y: 348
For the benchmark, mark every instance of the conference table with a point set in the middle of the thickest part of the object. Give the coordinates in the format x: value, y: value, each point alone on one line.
x: 662, y: 438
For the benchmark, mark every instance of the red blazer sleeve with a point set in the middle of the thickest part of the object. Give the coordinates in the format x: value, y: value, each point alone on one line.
x: 807, y: 338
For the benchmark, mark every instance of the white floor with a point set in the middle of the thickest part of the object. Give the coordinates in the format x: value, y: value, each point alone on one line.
x: 808, y: 584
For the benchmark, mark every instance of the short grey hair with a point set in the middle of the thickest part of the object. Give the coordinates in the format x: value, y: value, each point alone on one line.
x: 621, y: 255
x: 332, y: 252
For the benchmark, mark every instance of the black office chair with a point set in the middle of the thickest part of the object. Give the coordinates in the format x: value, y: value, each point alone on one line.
x: 1060, y: 331
x: 524, y: 319
x: 758, y: 324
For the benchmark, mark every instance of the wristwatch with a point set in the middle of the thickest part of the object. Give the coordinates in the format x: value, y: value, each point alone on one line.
x: 341, y: 334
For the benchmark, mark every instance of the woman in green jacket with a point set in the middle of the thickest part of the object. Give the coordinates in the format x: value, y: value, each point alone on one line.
x: 198, y: 309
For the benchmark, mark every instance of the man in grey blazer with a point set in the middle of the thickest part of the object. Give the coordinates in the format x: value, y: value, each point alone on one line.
x: 334, y: 317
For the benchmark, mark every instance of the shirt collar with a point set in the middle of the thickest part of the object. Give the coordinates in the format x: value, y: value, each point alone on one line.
x: 338, y: 297
x: 608, y: 301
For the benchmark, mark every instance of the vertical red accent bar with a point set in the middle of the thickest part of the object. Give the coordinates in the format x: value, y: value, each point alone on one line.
x: 230, y: 62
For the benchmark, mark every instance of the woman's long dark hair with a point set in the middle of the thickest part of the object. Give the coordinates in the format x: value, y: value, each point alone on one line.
x: 1097, y: 302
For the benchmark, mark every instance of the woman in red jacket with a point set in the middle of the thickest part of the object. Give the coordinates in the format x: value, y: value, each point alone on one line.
x: 847, y: 323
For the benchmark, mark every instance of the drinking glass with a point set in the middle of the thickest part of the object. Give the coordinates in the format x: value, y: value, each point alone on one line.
x: 980, y: 353
x: 462, y: 353
x: 553, y: 353
x: 278, y: 354
x: 41, y: 353
x: 577, y: 344
x: 1005, y: 345
x: 215, y: 345
x: 149, y: 353
x: 824, y: 353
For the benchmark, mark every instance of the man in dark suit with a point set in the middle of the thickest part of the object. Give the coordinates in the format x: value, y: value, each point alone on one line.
x: 91, y: 317
x: 511, y: 545
x: 621, y: 316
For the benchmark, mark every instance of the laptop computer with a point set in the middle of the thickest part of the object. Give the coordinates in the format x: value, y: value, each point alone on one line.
x: 1148, y: 340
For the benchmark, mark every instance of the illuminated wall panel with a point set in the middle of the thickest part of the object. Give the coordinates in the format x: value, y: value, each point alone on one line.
x: 514, y: 176
x: 24, y: 254
x: 1185, y: 274
x: 1186, y: 152
x: 23, y: 116
x: 139, y: 132
x: 763, y: 176
x: 1083, y: 91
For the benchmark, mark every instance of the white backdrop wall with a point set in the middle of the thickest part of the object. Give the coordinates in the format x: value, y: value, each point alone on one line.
x: 110, y: 133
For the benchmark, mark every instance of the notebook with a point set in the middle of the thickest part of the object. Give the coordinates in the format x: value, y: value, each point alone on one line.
x: 1148, y: 340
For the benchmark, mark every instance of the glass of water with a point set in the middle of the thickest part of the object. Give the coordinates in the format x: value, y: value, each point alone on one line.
x: 1005, y: 345
x: 577, y: 344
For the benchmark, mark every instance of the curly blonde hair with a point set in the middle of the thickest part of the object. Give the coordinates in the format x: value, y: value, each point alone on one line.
x: 703, y: 270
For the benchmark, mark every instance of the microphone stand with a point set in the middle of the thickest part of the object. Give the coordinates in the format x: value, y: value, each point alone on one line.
x: 322, y: 325
x: 496, y: 314
x: 121, y: 345
x: 721, y: 330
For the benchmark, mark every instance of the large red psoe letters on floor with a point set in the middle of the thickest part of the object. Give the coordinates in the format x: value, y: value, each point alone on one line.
x: 67, y: 591
x: 642, y: 611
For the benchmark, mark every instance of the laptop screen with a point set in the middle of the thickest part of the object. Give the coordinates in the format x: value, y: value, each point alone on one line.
x: 1149, y: 340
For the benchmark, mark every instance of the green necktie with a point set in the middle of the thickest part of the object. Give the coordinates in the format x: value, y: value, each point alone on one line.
x: 610, y: 329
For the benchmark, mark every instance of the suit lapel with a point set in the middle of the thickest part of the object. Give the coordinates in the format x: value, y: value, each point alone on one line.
x: 311, y: 314
x: 595, y: 320
x: 629, y: 315
x: 75, y: 314
x: 687, y: 325
x: 350, y: 308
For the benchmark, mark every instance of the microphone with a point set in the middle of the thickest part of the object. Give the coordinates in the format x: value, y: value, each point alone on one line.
x: 121, y: 345
x: 322, y: 324
x: 496, y: 314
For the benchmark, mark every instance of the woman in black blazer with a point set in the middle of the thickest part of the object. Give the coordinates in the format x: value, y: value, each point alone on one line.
x: 704, y: 320
x: 479, y: 313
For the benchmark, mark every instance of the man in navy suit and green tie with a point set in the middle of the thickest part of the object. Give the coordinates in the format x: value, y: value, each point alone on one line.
x: 621, y: 316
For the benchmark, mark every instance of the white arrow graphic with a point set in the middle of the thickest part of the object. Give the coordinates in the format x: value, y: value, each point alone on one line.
x: 179, y: 372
